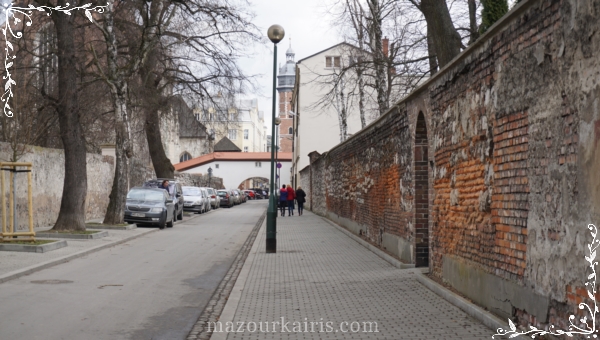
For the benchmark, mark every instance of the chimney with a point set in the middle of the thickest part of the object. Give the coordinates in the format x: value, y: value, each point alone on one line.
x: 385, y: 42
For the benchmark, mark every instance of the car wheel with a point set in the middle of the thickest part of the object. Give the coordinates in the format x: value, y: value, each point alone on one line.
x: 163, y: 223
x: 171, y: 222
x: 180, y: 215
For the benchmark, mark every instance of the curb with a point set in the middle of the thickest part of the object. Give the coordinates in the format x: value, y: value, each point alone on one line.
x: 478, y: 313
x: 37, y: 267
x: 27, y: 248
x: 235, y: 296
x: 94, y: 236
x: 394, y: 262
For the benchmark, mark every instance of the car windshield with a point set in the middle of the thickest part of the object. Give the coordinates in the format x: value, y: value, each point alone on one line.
x: 191, y: 192
x: 145, y: 195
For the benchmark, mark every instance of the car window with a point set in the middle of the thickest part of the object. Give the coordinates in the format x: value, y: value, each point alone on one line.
x: 191, y: 192
x: 222, y: 193
x: 146, y: 195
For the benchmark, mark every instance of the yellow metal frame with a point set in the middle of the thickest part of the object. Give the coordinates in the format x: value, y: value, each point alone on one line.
x: 9, y: 233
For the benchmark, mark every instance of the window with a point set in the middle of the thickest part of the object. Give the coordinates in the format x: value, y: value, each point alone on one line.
x: 245, y: 149
x: 185, y: 157
x: 291, y: 131
x: 46, y: 59
x: 232, y: 134
x: 331, y: 62
x: 216, y: 166
x: 258, y: 164
x: 245, y: 133
x: 197, y: 115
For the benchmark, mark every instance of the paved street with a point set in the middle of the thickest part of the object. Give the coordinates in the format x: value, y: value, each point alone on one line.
x: 152, y: 287
x: 329, y: 285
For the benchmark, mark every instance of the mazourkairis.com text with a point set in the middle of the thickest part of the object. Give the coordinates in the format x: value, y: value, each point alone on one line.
x: 284, y: 326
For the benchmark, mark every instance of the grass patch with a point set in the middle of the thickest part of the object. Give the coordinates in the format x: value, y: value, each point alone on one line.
x: 75, y: 232
x: 31, y: 243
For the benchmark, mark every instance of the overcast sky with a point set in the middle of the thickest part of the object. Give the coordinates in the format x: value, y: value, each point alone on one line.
x: 304, y: 22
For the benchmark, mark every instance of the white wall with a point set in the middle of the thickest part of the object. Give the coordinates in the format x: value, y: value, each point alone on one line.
x: 234, y: 173
x: 319, y: 127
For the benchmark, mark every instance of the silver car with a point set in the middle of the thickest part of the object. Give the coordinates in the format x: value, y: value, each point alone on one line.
x: 194, y: 199
x: 215, y: 200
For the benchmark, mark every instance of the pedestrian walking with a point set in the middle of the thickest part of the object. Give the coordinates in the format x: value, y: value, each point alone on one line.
x: 283, y: 196
x: 300, y: 198
x: 291, y: 195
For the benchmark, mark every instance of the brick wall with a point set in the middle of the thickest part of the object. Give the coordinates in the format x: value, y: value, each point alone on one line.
x: 500, y: 172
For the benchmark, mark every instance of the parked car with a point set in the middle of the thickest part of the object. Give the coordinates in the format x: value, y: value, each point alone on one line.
x: 243, y: 197
x: 226, y: 198
x: 239, y: 196
x: 214, y: 198
x: 258, y: 194
x: 207, y: 206
x: 175, y: 191
x: 250, y: 194
x: 149, y: 206
x: 194, y: 199
x: 236, y: 196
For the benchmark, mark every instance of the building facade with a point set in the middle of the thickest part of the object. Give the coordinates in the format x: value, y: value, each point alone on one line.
x: 285, y: 87
x: 319, y: 83
x: 239, y: 121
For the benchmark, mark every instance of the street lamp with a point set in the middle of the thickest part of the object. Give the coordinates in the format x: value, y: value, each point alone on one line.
x: 275, y: 34
x: 209, y: 175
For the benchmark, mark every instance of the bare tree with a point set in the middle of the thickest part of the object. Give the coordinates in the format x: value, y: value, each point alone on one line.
x: 116, y: 75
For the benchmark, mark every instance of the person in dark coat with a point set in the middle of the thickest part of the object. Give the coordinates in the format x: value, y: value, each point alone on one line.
x: 283, y: 196
x: 291, y: 195
x: 165, y: 185
x: 300, y: 198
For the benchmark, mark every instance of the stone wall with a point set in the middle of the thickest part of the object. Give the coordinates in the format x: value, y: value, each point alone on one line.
x: 487, y: 173
x: 47, y: 185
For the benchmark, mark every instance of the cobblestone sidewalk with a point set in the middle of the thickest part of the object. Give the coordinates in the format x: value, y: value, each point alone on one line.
x: 325, y: 285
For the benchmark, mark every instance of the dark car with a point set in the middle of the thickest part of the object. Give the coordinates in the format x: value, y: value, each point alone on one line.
x: 149, y: 206
x: 175, y: 191
x: 226, y: 198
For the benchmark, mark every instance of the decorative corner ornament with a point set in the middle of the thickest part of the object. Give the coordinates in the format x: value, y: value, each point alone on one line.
x: 586, y: 326
x: 11, y: 14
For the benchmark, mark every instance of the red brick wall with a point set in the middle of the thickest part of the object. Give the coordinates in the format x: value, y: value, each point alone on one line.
x: 501, y: 161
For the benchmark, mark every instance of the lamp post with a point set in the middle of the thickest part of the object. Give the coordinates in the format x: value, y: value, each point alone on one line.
x: 209, y: 175
x: 275, y: 34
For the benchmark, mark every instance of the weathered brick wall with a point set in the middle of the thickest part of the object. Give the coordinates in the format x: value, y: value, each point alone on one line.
x: 512, y: 131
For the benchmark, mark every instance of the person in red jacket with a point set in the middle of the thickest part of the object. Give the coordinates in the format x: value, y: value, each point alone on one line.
x: 291, y: 195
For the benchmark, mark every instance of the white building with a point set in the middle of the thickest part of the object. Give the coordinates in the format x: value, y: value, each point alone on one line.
x: 317, y: 123
x: 241, y: 122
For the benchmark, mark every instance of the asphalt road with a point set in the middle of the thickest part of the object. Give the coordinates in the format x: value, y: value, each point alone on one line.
x: 153, y: 287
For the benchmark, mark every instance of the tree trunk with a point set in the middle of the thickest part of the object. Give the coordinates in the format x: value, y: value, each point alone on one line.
x: 118, y: 193
x: 433, y: 65
x: 443, y: 34
x: 123, y: 148
x: 473, y: 22
x: 361, y: 96
x: 72, y: 206
x: 162, y: 165
x: 376, y: 36
x: 154, y: 103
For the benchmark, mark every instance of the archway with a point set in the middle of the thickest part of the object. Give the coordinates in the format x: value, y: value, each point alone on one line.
x: 421, y: 194
x: 254, y: 183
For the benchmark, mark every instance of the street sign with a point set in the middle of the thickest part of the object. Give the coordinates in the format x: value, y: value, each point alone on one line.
x: 278, y: 165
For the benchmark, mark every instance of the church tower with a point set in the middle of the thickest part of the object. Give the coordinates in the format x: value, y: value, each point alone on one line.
x: 285, y: 86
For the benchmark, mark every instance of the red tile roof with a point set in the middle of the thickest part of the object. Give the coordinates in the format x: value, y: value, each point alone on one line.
x: 231, y: 156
